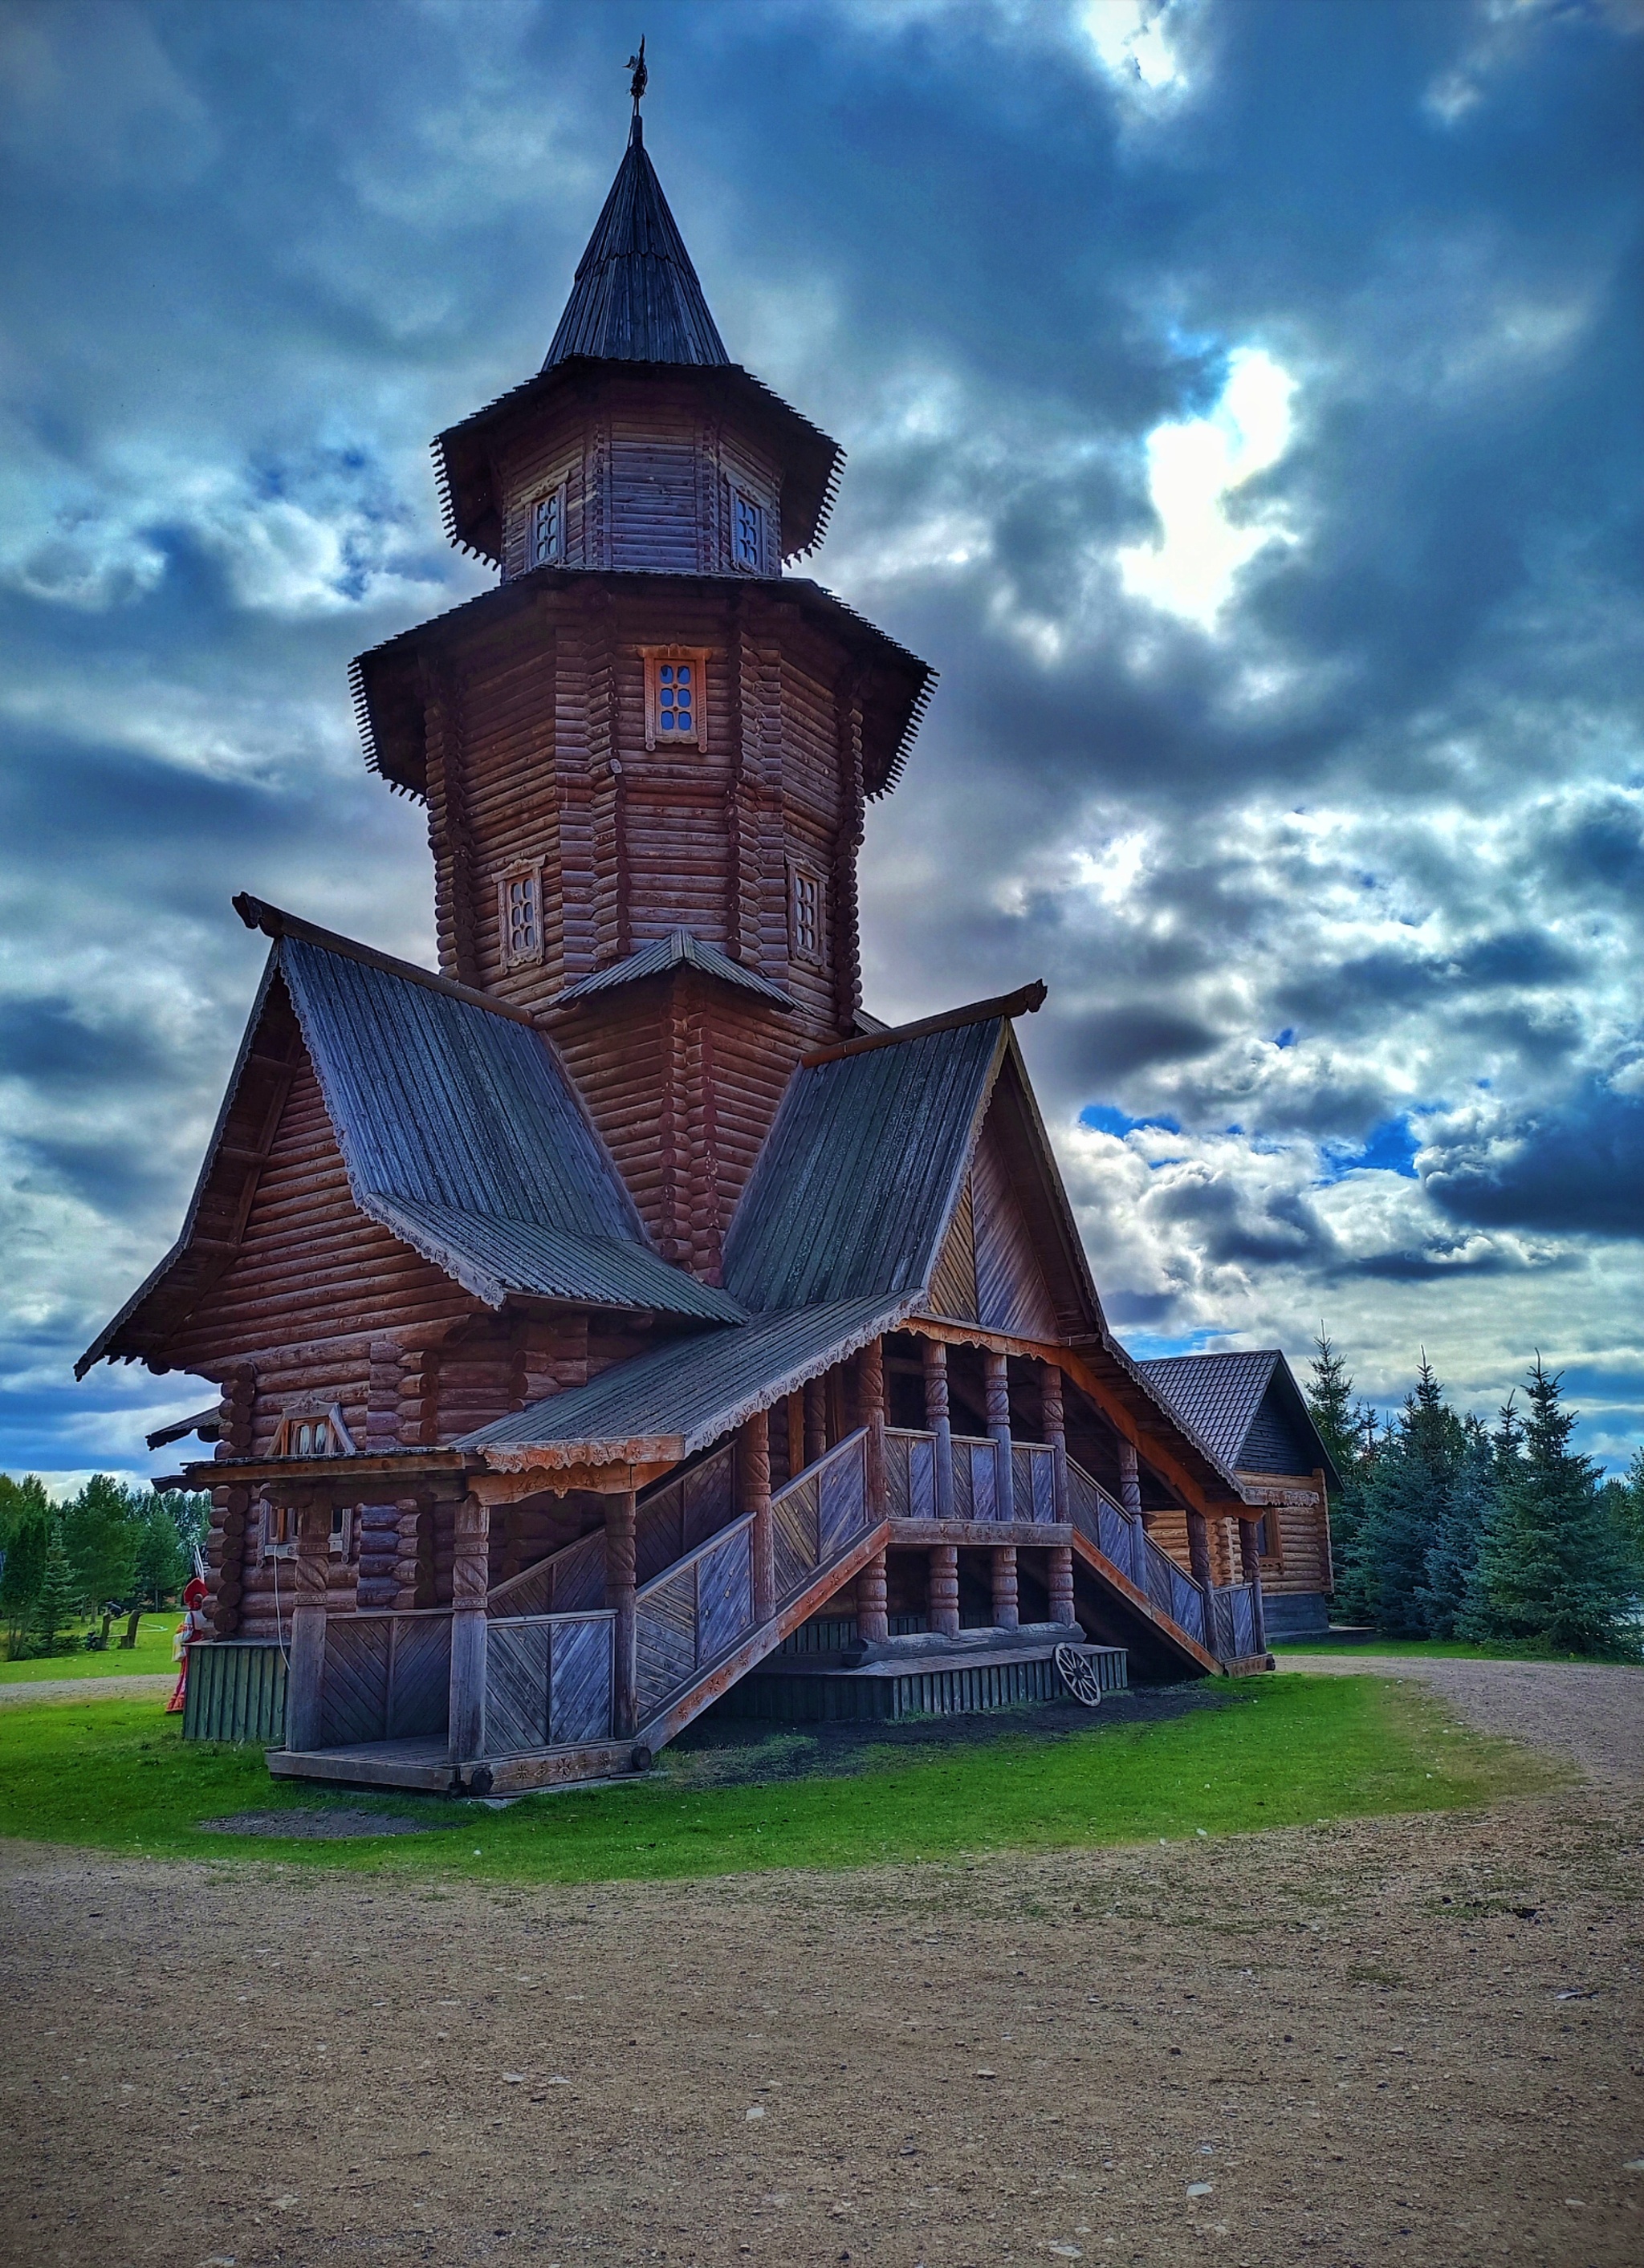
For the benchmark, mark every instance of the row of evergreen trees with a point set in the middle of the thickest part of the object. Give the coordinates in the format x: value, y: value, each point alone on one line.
x: 1447, y: 1528
x: 110, y: 1550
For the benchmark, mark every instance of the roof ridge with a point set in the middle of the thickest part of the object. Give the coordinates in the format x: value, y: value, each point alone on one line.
x: 676, y: 948
x: 276, y: 923
x: 1026, y: 1000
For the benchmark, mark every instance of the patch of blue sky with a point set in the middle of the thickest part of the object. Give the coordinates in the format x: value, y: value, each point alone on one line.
x: 1104, y: 1118
x: 1389, y: 1147
x: 1287, y: 1038
x: 1154, y: 1346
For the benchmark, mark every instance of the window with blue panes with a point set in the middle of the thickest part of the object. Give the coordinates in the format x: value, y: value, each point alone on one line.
x: 748, y: 533
x: 673, y: 700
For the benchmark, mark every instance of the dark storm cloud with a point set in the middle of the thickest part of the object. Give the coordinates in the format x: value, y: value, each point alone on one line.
x: 257, y: 256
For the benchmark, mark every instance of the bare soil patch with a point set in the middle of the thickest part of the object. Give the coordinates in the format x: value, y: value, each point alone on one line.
x: 28, y: 1696
x: 1406, y: 2038
x: 1592, y: 1712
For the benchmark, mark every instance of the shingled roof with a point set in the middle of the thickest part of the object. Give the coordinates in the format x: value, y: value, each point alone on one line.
x: 461, y: 1134
x: 1222, y: 1397
x: 636, y: 296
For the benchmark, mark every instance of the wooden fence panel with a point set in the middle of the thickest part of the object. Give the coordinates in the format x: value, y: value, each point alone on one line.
x: 580, y: 1673
x: 419, y: 1675
x: 725, y: 1595
x: 236, y: 1691
x: 516, y: 1686
x: 354, y: 1687
x: 665, y: 1637
x: 794, y: 1533
x: 842, y: 1499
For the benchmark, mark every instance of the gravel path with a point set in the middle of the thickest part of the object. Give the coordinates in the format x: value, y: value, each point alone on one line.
x: 1589, y: 1710
x: 86, y: 1689
x: 1411, y: 2039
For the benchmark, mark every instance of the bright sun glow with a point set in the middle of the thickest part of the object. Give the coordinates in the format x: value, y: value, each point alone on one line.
x: 1129, y: 38
x: 1193, y: 470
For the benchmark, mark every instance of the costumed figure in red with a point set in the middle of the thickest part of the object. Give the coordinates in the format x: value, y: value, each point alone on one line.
x: 194, y: 1626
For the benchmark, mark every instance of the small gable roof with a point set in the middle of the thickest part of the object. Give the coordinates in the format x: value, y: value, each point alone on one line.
x: 1232, y: 1402
x: 459, y: 1133
x: 675, y: 1399
x: 679, y: 949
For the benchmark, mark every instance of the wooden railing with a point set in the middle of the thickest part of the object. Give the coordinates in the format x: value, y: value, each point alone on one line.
x: 912, y: 1484
x: 387, y: 1676
x: 700, y: 1610
x: 548, y: 1681
x: 671, y: 1520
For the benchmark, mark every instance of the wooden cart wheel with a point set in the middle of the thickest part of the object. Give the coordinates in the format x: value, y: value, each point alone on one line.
x: 1078, y: 1673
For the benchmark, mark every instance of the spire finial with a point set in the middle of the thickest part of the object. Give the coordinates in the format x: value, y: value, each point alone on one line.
x: 641, y: 78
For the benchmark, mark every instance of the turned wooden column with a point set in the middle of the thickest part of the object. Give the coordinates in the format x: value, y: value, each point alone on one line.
x: 815, y: 1419
x: 304, y: 1669
x: 943, y: 1593
x: 1131, y: 1498
x: 870, y: 1396
x: 1250, y: 1567
x: 754, y: 1468
x: 872, y: 1624
x: 1060, y: 1582
x: 996, y: 1385
x: 1198, y: 1548
x: 936, y: 1421
x: 621, y: 1592
x: 470, y: 1580
x: 1055, y: 1424
x: 1005, y: 1613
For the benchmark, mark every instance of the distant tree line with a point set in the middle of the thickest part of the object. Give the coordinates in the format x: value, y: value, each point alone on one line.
x: 1447, y: 1528
x: 111, y: 1550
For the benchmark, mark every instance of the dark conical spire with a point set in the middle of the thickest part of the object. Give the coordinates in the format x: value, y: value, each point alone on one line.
x: 635, y: 298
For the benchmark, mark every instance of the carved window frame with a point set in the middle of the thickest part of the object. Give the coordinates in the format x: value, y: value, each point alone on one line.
x: 807, y: 915
x: 546, y: 511
x: 748, y: 512
x: 299, y: 1429
x: 656, y: 660
x: 526, y: 872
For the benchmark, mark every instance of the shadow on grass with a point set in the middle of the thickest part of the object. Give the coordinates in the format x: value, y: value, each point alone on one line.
x: 1287, y: 1750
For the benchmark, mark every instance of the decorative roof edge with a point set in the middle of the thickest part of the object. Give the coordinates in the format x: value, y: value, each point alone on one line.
x: 1026, y: 1000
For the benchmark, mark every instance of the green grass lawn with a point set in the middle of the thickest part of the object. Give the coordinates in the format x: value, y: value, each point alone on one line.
x: 116, y: 1776
x: 151, y: 1655
x: 1432, y: 1649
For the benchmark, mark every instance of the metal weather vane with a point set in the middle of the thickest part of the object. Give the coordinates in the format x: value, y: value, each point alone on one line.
x: 641, y: 77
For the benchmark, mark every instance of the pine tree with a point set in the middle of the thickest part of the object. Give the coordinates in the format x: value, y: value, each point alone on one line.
x: 21, y: 1577
x: 100, y: 1529
x: 1452, y: 1554
x: 1406, y: 1498
x: 1551, y: 1570
x: 58, y: 1599
x: 1628, y: 1509
x: 163, y: 1564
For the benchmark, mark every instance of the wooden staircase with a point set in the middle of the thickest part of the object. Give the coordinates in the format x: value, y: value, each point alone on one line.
x: 550, y: 1643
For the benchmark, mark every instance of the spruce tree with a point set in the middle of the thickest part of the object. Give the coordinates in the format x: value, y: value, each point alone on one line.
x: 1552, y: 1568
x: 101, y: 1528
x: 1347, y: 1429
x: 1452, y: 1554
x: 1405, y: 1498
x: 58, y: 1599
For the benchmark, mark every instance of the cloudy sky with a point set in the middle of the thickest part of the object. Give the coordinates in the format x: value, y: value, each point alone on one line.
x: 1245, y: 415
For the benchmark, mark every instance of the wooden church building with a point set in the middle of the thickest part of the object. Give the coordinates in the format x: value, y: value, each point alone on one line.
x: 621, y: 1321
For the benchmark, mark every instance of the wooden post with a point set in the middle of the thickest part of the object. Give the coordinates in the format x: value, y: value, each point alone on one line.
x: 815, y: 1419
x: 305, y: 1673
x: 796, y: 1434
x: 872, y: 1624
x: 936, y: 1420
x: 870, y: 1393
x: 620, y: 1590
x: 1250, y: 1567
x: 1198, y: 1548
x: 996, y: 1385
x: 1005, y: 1613
x: 470, y: 1580
x: 1131, y: 1498
x: 1055, y: 1426
x: 754, y: 1467
x: 1061, y: 1583
x: 944, y: 1589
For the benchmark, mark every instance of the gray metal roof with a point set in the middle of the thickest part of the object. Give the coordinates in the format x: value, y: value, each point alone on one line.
x: 851, y: 1193
x: 636, y: 296
x: 677, y: 1398
x: 678, y: 949
x: 461, y: 1132
x: 1219, y: 1397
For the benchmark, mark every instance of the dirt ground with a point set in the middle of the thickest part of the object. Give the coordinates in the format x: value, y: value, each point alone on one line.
x: 1407, y: 2039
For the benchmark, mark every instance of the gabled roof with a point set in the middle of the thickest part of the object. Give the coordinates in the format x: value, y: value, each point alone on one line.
x: 852, y: 1189
x: 679, y: 949
x: 675, y: 1399
x: 1221, y: 1398
x: 636, y: 296
x: 460, y: 1134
